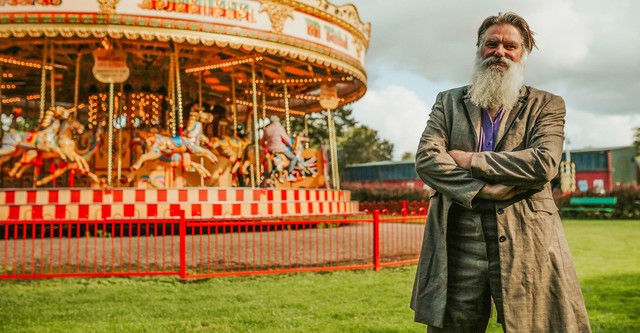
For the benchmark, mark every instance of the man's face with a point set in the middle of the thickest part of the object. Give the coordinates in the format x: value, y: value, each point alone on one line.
x: 500, y: 41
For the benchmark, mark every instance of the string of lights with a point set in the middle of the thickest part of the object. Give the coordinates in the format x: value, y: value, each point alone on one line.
x: 222, y: 64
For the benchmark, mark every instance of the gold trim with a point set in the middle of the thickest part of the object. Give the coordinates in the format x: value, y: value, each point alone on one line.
x: 278, y: 14
x: 193, y: 37
x: 108, y: 7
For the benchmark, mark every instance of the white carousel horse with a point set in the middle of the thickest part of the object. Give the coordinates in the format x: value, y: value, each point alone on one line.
x: 179, y: 149
x: 80, y: 162
x: 17, y: 143
x: 64, y: 141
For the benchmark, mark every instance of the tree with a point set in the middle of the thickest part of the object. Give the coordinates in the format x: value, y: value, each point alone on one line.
x: 319, y: 126
x: 408, y: 156
x: 361, y: 144
x: 636, y: 140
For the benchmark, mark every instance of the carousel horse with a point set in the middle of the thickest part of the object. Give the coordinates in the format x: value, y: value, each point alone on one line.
x: 180, y: 148
x: 232, y: 147
x: 80, y: 162
x: 275, y: 164
x: 65, y: 141
x: 17, y: 143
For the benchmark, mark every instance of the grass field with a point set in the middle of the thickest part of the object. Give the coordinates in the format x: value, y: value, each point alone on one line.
x: 607, y: 255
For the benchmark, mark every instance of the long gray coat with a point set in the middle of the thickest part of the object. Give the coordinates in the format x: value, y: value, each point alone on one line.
x: 539, y: 284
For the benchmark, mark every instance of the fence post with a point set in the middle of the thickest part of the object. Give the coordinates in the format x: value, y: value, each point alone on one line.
x: 183, y: 246
x: 376, y: 240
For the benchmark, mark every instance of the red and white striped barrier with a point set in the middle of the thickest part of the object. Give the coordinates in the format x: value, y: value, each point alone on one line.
x: 99, y: 204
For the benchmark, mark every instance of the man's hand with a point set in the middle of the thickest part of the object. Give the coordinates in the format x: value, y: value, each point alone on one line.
x: 499, y: 192
x: 462, y: 158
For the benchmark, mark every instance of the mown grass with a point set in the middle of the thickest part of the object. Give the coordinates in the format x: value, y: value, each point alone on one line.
x: 607, y: 256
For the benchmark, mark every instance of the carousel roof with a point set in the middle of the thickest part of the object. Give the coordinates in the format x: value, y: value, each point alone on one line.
x: 305, y: 43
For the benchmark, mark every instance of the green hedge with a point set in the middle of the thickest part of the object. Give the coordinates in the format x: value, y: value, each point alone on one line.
x: 377, y: 193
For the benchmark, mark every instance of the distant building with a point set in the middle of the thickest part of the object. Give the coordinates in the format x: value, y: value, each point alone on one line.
x: 604, y: 168
x: 601, y: 168
x: 384, y: 173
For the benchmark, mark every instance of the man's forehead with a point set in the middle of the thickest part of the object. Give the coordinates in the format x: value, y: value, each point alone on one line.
x: 505, y: 31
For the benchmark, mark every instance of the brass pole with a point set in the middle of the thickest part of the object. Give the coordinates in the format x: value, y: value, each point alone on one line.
x: 234, y: 107
x: 43, y: 79
x: 76, y: 87
x: 178, y: 86
x: 172, y: 94
x: 255, y: 121
x: 110, y: 143
x: 53, y: 76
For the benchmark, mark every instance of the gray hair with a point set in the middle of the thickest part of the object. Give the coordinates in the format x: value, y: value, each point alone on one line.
x: 528, y: 42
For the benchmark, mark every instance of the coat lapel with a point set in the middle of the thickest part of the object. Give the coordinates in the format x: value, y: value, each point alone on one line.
x: 507, y: 123
x: 474, y: 114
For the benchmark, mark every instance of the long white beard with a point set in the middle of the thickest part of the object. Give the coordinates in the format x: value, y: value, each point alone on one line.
x: 495, y: 87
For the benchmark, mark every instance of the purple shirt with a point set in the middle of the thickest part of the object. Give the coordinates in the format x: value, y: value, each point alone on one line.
x: 489, y: 130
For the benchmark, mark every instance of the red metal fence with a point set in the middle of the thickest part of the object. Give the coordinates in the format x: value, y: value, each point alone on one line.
x: 206, y: 248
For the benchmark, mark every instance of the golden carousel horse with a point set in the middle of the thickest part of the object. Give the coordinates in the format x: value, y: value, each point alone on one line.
x: 180, y: 148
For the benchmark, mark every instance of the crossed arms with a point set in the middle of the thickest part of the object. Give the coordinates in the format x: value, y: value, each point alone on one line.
x: 464, y: 176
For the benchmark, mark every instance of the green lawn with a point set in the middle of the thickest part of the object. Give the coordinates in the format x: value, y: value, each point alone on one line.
x: 607, y: 255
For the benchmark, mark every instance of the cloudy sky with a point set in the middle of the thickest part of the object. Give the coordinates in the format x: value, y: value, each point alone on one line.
x: 588, y: 53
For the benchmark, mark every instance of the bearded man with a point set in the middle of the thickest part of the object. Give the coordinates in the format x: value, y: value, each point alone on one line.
x: 489, y: 151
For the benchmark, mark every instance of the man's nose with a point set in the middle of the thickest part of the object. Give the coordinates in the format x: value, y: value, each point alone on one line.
x: 500, y: 51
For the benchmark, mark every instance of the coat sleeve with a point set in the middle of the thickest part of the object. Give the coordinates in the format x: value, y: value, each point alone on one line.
x: 532, y: 167
x: 436, y: 167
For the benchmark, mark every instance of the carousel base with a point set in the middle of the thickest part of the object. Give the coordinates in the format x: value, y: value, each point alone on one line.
x: 203, y: 202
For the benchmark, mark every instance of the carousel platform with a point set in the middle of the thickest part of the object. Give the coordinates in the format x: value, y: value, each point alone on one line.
x: 133, y: 203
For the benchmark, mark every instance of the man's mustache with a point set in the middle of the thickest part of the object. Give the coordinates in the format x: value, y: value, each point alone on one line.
x: 502, y: 61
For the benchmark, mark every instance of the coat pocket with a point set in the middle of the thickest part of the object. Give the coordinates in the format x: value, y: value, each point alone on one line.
x: 542, y: 206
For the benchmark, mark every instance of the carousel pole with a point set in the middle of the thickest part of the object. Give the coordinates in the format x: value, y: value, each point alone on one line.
x: 53, y: 76
x: 178, y: 86
x: 234, y: 107
x: 264, y: 103
x: 110, y: 137
x: 332, y: 150
x: 256, y: 140
x: 287, y: 115
x: 306, y: 130
x: 43, y: 79
x: 120, y: 128
x: 76, y: 87
x: 1, y: 73
x: 172, y: 96
x: 199, y: 109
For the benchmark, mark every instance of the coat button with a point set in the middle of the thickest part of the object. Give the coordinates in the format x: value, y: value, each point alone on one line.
x: 502, y: 239
x: 500, y: 211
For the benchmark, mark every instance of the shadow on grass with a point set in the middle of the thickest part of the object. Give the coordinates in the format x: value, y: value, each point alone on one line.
x: 613, y: 302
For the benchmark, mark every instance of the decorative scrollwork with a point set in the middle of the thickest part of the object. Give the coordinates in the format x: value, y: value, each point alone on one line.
x: 278, y: 14
x: 108, y: 7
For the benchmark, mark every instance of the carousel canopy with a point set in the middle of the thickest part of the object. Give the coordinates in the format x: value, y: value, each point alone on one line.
x: 305, y: 45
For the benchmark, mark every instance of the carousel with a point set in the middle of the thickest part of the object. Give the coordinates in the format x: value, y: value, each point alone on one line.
x: 142, y: 108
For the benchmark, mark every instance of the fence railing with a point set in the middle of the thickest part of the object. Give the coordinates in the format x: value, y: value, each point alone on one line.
x: 207, y: 248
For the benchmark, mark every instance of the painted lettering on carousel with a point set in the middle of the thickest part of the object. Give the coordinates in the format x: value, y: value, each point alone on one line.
x: 313, y: 28
x: 335, y: 36
x: 233, y: 10
x: 30, y: 2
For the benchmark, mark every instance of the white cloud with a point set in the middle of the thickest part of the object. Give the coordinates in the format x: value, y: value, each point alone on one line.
x: 589, y: 53
x: 397, y: 114
x: 588, y: 130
